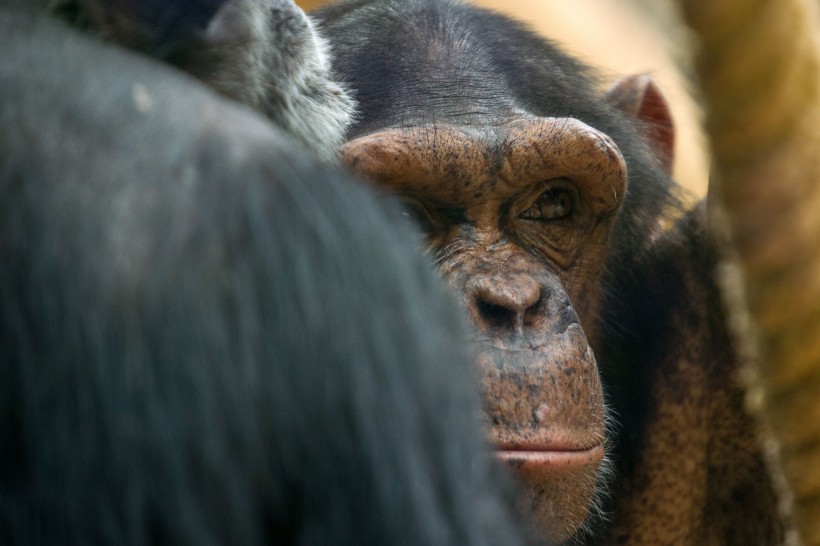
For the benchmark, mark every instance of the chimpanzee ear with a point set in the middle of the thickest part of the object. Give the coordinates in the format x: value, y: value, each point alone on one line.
x: 640, y: 96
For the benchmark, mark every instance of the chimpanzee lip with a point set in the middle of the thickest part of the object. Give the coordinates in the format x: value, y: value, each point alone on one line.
x: 548, y: 455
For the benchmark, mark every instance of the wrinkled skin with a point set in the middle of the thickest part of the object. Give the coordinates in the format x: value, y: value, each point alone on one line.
x: 518, y: 219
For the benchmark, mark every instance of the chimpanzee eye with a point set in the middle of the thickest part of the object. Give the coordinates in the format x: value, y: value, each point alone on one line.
x: 553, y: 204
x: 418, y: 214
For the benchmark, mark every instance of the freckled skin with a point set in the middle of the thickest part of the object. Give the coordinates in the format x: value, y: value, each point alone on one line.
x: 518, y: 279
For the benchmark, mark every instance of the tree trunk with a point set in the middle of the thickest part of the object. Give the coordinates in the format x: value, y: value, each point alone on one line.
x: 759, y: 68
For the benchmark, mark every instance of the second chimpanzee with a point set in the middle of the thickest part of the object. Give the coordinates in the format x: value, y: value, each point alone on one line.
x: 263, y: 53
x: 546, y: 204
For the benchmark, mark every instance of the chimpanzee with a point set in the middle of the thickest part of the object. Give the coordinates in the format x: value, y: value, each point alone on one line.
x: 548, y: 206
x: 263, y: 53
x: 209, y: 336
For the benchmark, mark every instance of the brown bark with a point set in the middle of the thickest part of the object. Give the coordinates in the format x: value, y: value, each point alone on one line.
x: 759, y: 68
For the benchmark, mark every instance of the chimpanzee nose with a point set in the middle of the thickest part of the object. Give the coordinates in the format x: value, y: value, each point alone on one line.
x: 501, y: 304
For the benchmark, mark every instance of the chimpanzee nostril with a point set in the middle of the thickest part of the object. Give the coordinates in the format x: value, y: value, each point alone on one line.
x: 495, y: 316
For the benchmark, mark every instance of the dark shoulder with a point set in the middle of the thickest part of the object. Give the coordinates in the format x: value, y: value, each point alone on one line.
x: 672, y: 274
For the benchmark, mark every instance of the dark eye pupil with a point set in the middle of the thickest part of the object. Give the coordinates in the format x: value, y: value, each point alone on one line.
x: 551, y: 205
x: 554, y: 204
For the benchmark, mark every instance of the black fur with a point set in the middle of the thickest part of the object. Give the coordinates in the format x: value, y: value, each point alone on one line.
x: 208, y: 337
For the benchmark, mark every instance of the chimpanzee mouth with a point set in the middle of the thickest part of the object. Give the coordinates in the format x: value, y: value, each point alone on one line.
x: 550, y: 456
x: 560, y: 482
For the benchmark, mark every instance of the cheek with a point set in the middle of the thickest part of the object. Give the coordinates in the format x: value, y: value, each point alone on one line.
x: 583, y: 282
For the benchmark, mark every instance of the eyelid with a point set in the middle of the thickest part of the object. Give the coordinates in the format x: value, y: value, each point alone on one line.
x: 421, y: 215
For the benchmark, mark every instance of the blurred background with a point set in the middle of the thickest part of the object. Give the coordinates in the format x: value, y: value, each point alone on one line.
x: 622, y: 37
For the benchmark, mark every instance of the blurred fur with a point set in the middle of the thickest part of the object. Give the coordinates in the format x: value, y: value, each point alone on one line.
x: 209, y: 336
x: 266, y: 54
